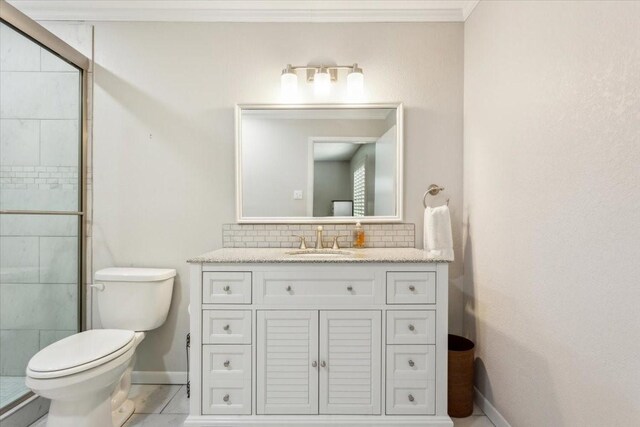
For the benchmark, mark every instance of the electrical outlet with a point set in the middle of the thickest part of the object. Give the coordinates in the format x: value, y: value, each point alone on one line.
x: 297, y: 194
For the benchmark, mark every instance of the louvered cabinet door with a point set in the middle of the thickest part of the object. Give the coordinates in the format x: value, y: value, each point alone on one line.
x: 287, y: 379
x: 350, y: 371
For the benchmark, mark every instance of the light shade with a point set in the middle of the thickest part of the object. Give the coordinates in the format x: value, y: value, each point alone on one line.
x: 322, y: 82
x: 355, y: 81
x: 288, y: 82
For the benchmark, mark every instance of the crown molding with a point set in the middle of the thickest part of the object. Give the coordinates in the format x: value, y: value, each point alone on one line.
x: 468, y: 8
x: 248, y: 10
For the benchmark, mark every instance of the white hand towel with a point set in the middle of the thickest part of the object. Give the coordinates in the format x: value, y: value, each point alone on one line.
x: 438, y: 241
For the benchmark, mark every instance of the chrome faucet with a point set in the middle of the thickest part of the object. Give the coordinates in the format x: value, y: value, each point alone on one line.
x: 319, y: 243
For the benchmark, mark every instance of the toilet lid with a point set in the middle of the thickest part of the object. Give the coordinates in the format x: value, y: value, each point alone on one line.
x: 80, y: 352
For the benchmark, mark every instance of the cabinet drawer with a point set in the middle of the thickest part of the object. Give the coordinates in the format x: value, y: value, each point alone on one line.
x: 411, y: 327
x: 411, y: 397
x: 411, y: 362
x: 226, y: 327
x: 226, y: 288
x: 226, y: 362
x: 226, y: 379
x: 411, y: 287
x: 318, y: 288
x: 226, y: 397
x: 411, y: 374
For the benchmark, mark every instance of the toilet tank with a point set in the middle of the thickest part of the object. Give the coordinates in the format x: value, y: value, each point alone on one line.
x: 136, y: 299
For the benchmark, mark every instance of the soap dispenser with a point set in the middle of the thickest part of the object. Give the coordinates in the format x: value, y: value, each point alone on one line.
x: 358, y: 236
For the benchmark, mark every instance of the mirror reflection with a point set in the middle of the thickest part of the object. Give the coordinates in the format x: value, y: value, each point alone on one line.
x: 318, y: 162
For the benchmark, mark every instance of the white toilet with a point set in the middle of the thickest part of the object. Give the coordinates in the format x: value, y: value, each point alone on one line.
x: 87, y: 376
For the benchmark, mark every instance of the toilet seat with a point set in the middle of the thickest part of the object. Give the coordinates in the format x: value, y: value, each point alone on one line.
x: 80, y: 352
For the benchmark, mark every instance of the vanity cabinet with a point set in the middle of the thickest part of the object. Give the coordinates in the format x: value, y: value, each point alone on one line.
x: 318, y: 343
x: 319, y: 362
x: 287, y: 374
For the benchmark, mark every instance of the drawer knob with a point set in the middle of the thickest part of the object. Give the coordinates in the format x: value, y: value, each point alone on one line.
x: 226, y: 327
x: 226, y: 288
x: 323, y: 364
x: 350, y: 288
x: 289, y: 288
x: 226, y: 363
x: 411, y: 398
x: 411, y: 363
x: 412, y: 328
x: 314, y: 364
x: 226, y: 398
x: 412, y: 288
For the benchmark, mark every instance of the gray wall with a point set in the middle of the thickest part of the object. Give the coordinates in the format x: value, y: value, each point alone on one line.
x: 332, y: 181
x: 164, y: 133
x: 552, y: 155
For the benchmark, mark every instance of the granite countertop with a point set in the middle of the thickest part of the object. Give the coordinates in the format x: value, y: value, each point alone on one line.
x: 283, y: 255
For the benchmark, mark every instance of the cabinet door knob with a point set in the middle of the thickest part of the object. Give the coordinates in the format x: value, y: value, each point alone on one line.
x: 226, y: 398
x: 350, y: 288
x: 289, y: 288
x: 226, y: 327
x: 412, y: 328
x: 226, y: 288
x: 314, y: 364
x: 323, y: 364
x: 411, y: 399
x: 226, y: 363
x: 411, y: 363
x: 412, y: 288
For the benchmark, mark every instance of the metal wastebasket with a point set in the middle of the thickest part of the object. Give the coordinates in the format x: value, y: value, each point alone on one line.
x: 460, y: 376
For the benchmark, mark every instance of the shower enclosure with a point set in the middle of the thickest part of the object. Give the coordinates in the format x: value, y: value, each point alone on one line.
x: 42, y: 198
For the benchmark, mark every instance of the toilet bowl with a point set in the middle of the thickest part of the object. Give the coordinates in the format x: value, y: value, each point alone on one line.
x: 87, y: 376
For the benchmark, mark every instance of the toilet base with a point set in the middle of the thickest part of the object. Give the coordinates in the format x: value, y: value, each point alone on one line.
x: 121, y: 406
x: 92, y: 411
x: 122, y: 414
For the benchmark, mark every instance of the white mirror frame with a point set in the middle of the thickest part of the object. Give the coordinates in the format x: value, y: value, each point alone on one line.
x: 241, y: 219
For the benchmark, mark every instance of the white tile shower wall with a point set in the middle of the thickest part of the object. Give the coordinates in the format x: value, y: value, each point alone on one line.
x: 39, y: 151
x: 285, y: 235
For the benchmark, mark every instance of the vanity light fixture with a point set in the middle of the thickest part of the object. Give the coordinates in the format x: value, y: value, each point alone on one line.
x: 321, y: 76
x: 355, y: 81
x: 322, y: 82
x: 289, y: 81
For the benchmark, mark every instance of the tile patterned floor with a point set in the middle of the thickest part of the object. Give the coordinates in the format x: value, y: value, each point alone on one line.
x: 167, y: 406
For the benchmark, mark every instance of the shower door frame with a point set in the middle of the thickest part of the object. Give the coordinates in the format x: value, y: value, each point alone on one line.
x: 29, y: 28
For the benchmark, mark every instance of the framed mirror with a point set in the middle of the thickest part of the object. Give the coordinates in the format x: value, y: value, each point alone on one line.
x: 319, y: 163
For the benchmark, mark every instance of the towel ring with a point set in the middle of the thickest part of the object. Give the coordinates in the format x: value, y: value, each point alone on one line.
x: 433, y: 190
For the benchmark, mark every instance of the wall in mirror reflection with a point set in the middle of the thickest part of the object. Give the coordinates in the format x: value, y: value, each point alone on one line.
x: 319, y: 163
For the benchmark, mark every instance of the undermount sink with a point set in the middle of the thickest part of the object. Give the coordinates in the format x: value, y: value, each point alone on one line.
x: 319, y: 253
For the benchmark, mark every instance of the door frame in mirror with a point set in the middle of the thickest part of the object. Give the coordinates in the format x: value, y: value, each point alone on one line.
x: 398, y: 217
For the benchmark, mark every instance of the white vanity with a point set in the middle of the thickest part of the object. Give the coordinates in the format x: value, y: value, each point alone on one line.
x: 294, y: 340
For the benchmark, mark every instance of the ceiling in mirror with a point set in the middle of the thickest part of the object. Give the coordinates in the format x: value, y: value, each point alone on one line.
x: 330, y: 163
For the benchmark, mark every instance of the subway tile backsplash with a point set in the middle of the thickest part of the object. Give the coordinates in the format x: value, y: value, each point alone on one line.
x: 284, y: 235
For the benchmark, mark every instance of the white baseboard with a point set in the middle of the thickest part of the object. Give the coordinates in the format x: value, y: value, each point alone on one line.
x: 489, y: 410
x: 159, y: 377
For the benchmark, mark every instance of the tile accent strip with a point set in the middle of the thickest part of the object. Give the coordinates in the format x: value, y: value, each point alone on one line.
x: 39, y: 177
x: 283, y: 235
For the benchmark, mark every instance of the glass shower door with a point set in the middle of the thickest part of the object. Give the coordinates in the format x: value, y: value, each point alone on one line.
x: 40, y: 204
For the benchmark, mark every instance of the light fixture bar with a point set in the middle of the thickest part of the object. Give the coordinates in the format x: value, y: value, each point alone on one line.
x: 311, y: 73
x: 354, y: 77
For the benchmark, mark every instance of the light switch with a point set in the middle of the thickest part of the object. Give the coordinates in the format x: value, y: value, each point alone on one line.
x: 297, y: 194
